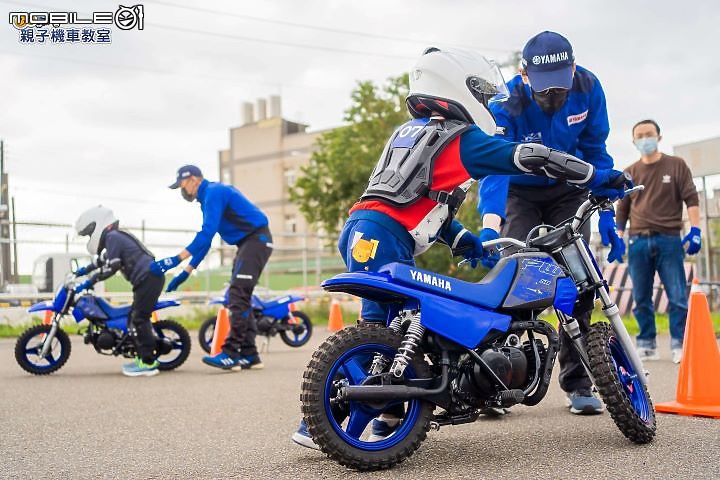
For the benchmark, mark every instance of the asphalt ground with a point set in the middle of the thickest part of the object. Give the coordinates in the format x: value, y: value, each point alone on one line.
x: 89, y: 421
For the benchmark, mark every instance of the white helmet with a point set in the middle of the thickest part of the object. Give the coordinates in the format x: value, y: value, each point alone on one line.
x: 457, y: 84
x: 93, y: 222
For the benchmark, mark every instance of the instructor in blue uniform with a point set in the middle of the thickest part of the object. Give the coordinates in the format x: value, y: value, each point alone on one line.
x: 561, y: 105
x: 239, y: 222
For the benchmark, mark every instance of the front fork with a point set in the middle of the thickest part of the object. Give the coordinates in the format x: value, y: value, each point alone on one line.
x: 50, y: 336
x: 611, y: 311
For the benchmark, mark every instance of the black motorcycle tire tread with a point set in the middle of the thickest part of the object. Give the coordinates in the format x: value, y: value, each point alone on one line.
x: 313, y: 408
x: 184, y: 338
x: 60, y: 335
x: 306, y: 320
x: 611, y: 390
x: 202, y: 331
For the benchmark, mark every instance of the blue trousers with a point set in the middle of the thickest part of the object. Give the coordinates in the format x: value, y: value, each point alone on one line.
x: 366, y: 245
x: 663, y: 254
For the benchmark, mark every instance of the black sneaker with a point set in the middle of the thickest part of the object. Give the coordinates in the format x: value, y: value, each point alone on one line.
x: 247, y: 362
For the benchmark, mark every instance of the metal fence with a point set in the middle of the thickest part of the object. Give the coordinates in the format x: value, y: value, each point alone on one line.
x: 298, y: 260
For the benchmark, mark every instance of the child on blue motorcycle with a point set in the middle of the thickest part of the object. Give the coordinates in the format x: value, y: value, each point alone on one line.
x: 114, y: 250
x: 425, y: 170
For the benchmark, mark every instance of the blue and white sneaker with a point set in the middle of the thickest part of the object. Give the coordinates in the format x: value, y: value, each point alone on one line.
x: 138, y: 368
x: 221, y: 360
x: 247, y: 362
x: 383, y: 427
x: 303, y: 437
x: 583, y: 402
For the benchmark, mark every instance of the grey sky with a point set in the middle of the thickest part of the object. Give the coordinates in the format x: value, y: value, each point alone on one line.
x: 85, y: 124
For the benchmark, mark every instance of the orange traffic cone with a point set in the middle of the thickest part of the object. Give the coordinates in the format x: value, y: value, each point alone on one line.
x: 222, y: 328
x: 335, y: 322
x: 698, y: 389
x: 47, y: 320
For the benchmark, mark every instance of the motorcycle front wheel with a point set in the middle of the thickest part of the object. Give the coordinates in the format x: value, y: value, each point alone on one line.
x: 29, y: 345
x: 626, y: 397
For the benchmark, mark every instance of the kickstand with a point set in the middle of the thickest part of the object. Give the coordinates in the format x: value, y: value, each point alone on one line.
x: 265, y: 345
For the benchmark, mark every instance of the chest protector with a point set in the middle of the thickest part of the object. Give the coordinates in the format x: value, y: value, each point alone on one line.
x: 404, y: 173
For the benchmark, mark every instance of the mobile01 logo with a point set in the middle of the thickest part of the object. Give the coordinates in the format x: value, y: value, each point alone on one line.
x: 71, y: 27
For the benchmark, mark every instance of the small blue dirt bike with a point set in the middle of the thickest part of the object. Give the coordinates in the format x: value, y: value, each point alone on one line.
x: 464, y: 347
x: 44, y: 349
x: 273, y: 317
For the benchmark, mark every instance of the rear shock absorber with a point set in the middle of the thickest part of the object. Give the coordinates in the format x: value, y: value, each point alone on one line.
x: 380, y: 361
x: 412, y: 339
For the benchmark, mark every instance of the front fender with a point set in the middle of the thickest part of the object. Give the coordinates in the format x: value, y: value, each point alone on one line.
x: 42, y: 306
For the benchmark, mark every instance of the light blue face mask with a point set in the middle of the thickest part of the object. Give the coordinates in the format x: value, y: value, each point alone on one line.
x: 646, y: 145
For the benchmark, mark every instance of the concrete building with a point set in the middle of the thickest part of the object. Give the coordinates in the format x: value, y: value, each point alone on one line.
x: 264, y: 159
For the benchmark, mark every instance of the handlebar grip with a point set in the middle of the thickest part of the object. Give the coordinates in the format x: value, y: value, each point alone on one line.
x: 621, y: 181
x: 461, y: 250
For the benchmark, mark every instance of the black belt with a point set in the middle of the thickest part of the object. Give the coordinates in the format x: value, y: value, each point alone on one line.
x: 652, y: 233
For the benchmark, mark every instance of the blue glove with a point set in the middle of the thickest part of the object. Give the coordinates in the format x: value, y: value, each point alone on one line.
x: 609, y: 236
x: 161, y: 266
x: 694, y: 240
x: 608, y: 183
x: 472, y: 250
x: 82, y: 271
x: 86, y: 285
x: 489, y: 257
x: 177, y: 281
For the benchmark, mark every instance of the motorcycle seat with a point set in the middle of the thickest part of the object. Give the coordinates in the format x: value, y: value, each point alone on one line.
x: 487, y: 293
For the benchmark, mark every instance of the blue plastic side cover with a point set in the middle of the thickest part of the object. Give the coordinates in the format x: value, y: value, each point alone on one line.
x: 460, y: 322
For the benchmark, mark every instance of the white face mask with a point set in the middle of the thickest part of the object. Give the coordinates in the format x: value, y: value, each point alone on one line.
x: 646, y: 145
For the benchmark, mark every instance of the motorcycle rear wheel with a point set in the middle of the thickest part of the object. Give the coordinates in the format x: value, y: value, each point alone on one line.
x: 340, y: 429
x: 205, y: 334
x: 181, y: 344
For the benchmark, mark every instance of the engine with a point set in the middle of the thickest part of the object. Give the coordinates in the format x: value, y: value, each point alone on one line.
x: 473, y: 384
x: 265, y: 324
x: 104, y: 341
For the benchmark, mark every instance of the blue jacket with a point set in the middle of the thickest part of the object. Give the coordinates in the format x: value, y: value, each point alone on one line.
x: 225, y: 211
x: 579, y: 128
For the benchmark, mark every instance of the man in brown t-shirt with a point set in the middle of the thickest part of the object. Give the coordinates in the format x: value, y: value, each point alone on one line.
x: 655, y: 241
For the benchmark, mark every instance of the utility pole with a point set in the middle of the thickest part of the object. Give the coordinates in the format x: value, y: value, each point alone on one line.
x: 16, y: 277
x: 4, y: 219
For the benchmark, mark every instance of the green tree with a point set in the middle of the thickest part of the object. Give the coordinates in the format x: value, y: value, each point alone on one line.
x: 339, y: 168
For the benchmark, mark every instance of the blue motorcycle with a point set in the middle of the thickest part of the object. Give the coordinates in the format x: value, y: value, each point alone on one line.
x: 273, y: 317
x: 44, y: 349
x: 465, y: 347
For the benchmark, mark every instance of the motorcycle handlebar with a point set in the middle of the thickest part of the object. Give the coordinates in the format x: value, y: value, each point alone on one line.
x: 577, y: 220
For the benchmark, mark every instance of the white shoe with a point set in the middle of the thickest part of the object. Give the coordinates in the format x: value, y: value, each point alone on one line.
x: 676, y: 355
x: 648, y: 354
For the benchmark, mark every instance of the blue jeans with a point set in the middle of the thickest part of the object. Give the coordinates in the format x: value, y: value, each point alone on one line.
x: 366, y: 245
x: 663, y: 254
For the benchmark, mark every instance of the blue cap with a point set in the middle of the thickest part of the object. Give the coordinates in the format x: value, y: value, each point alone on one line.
x: 548, y: 59
x: 186, y: 171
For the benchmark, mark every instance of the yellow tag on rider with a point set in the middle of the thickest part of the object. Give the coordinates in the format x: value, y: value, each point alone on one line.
x: 364, y: 250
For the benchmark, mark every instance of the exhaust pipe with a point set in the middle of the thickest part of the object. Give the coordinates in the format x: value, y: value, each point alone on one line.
x: 371, y: 393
